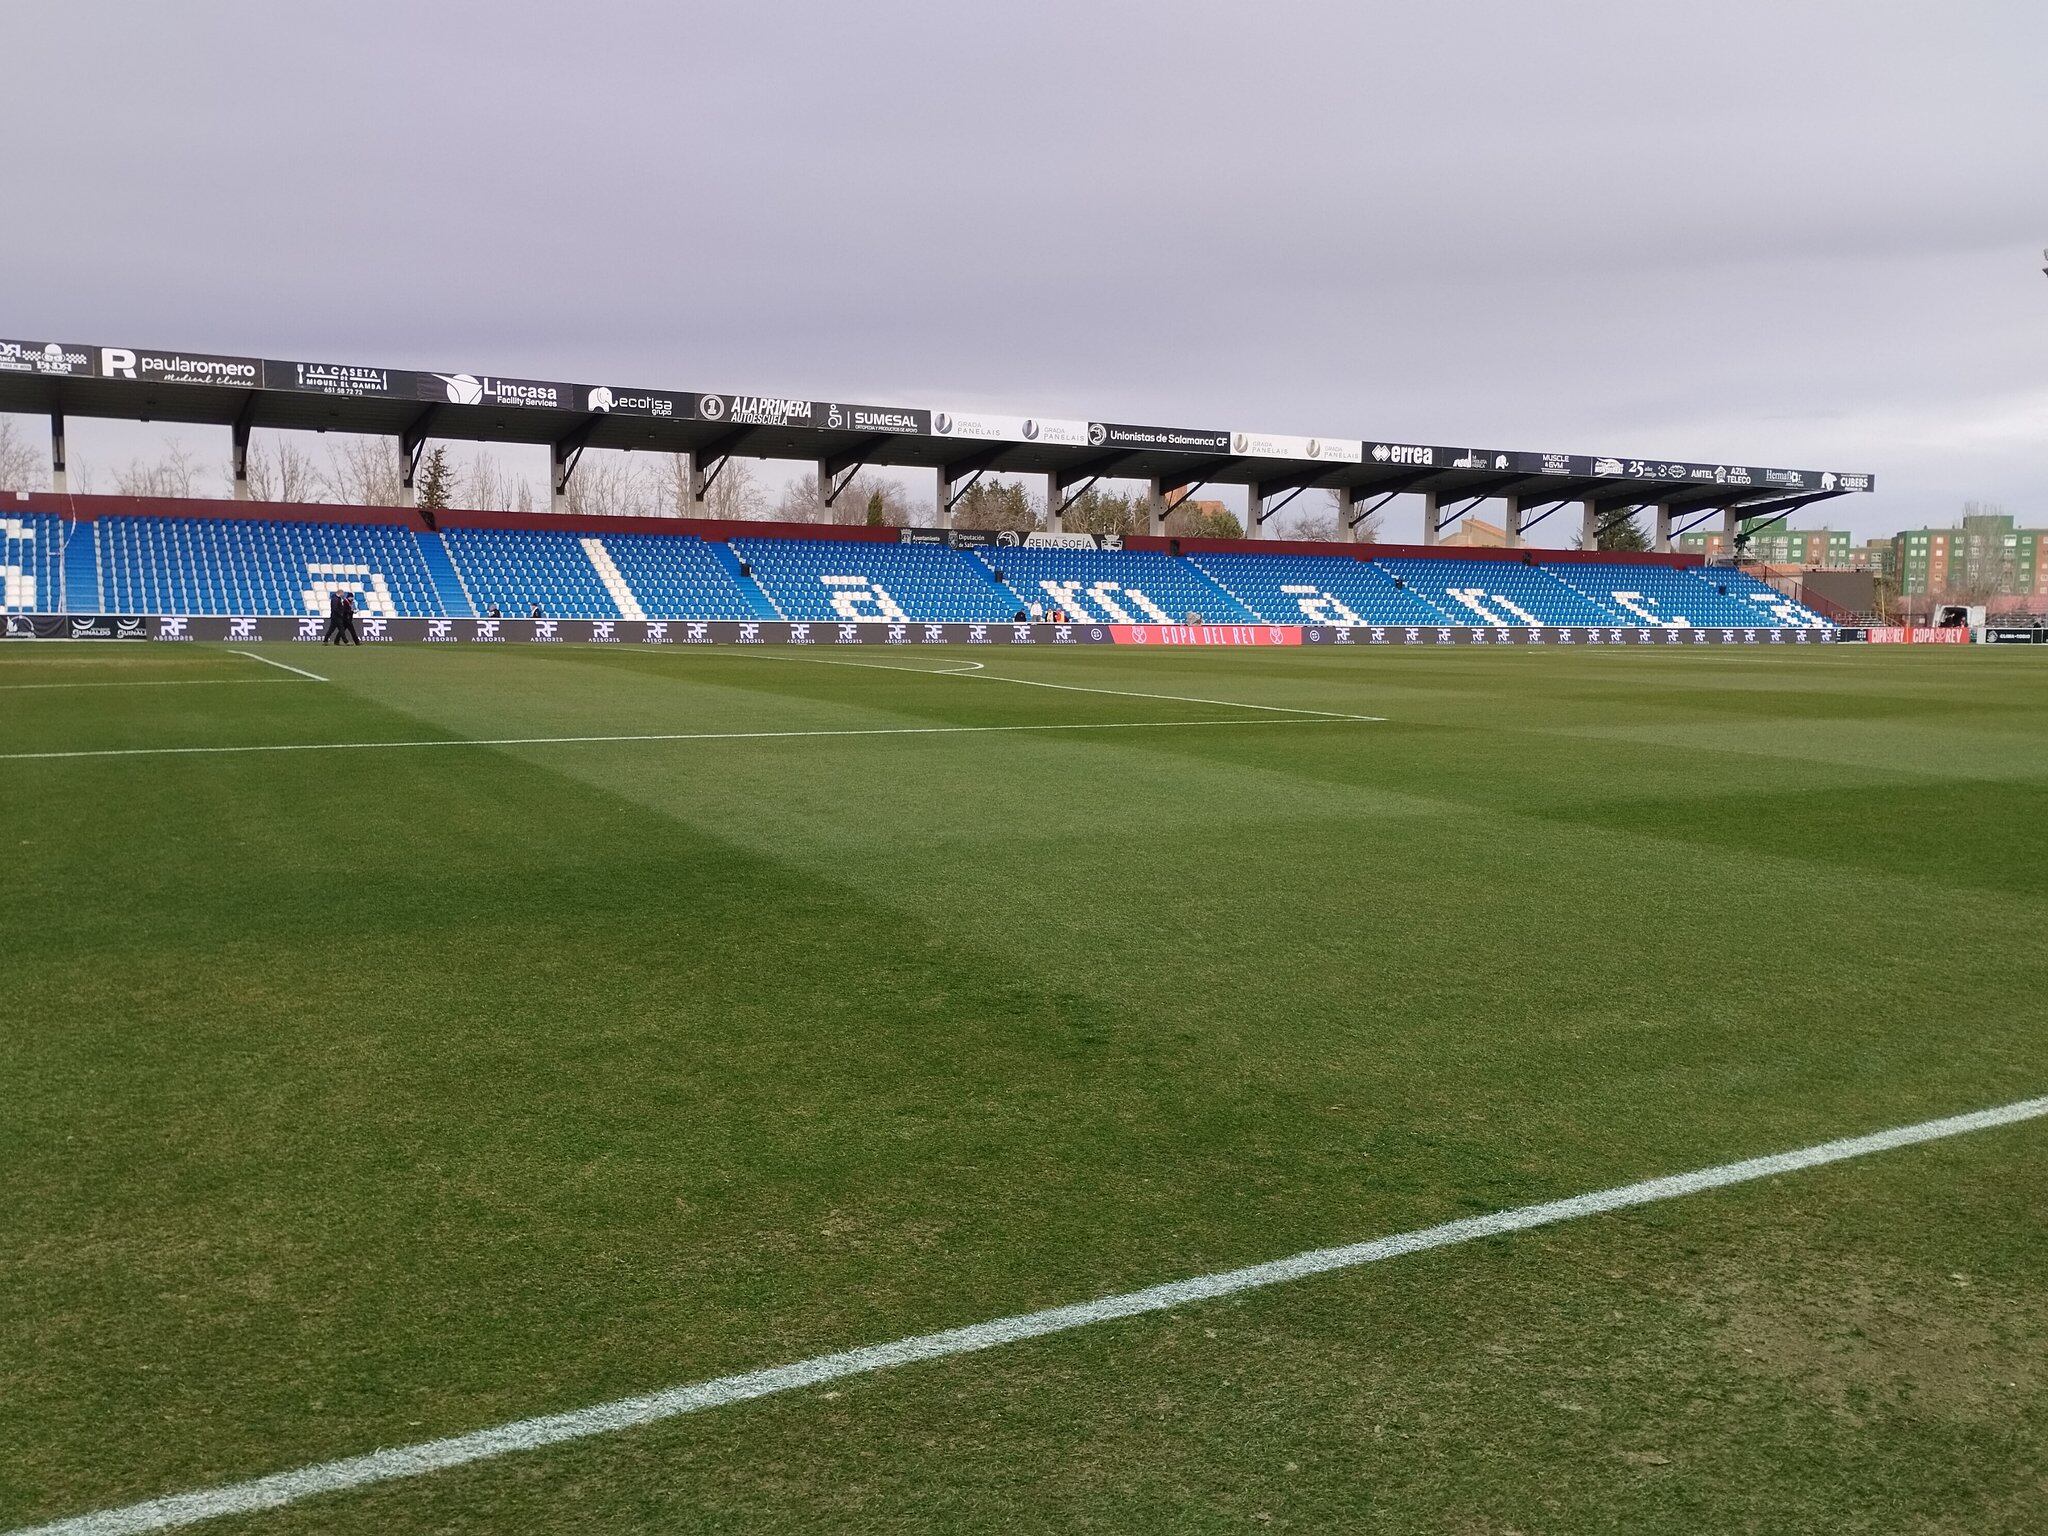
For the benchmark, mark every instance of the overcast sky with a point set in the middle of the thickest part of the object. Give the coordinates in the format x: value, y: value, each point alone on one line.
x: 1749, y: 230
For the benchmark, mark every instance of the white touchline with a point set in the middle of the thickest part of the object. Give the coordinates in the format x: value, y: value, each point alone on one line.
x: 282, y: 665
x: 572, y: 741
x: 629, y: 1412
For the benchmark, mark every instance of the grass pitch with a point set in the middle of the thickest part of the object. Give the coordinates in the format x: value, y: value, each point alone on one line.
x: 358, y: 1097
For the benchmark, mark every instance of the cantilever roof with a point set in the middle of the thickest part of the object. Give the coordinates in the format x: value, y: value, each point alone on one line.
x: 135, y: 383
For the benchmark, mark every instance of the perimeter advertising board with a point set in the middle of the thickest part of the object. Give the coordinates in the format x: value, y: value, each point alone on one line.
x: 380, y: 631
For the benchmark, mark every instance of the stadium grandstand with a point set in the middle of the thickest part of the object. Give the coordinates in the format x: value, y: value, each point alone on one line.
x: 83, y: 555
x: 112, y: 556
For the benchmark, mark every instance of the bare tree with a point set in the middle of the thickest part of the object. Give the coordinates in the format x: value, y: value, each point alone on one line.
x: 21, y: 461
x: 280, y: 471
x: 489, y: 488
x: 611, y: 485
x: 175, y: 474
x: 1316, y: 527
x: 364, y: 472
x: 1329, y: 524
x: 866, y: 498
x: 735, y: 494
x: 1191, y: 517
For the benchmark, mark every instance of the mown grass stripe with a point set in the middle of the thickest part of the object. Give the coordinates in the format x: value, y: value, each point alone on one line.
x: 382, y: 1466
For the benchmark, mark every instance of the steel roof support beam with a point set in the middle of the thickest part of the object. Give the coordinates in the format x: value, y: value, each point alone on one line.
x: 1548, y: 508
x: 1085, y: 474
x: 1777, y: 512
x: 1436, y: 502
x: 1384, y: 490
x: 239, y: 453
x: 972, y: 467
x: 60, y: 479
x: 565, y: 453
x: 836, y: 471
x: 410, y: 441
x: 708, y: 462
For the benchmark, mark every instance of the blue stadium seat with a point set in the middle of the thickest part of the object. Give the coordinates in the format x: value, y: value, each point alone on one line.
x: 1319, y: 589
x: 677, y: 578
x: 1764, y: 603
x: 277, y: 566
x: 1499, y: 592
x: 512, y: 569
x: 828, y: 579
x: 32, y: 562
x: 1114, y: 586
x: 252, y: 567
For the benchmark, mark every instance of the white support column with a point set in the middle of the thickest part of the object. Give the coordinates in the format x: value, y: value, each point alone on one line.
x: 1432, y: 502
x: 1589, y: 524
x: 60, y: 477
x: 696, y: 494
x: 558, y: 479
x: 1511, y: 524
x: 1254, y: 513
x: 1347, y: 509
x: 1660, y: 541
x: 238, y: 459
x: 1055, y: 520
x: 1731, y: 524
x: 1155, y: 502
x: 942, y: 494
x: 407, y: 495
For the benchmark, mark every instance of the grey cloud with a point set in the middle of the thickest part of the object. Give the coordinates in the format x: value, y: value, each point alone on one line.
x: 1794, y: 234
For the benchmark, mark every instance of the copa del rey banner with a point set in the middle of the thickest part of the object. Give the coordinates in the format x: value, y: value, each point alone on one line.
x: 1206, y: 634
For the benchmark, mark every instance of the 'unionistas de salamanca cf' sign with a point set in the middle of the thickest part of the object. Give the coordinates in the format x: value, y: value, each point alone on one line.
x: 1114, y: 434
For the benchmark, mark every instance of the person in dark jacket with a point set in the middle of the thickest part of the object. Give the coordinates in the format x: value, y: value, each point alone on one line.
x: 330, y: 635
x: 348, y: 619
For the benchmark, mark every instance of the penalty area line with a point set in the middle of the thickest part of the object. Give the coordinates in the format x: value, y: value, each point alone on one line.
x: 283, y: 666
x: 384, y: 1466
x: 577, y: 741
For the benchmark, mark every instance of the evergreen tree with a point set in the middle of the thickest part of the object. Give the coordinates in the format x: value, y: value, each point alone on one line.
x: 1623, y: 533
x: 437, y: 481
x: 997, y: 507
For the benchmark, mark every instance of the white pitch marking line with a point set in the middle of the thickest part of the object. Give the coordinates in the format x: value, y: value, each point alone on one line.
x: 284, y: 665
x: 976, y: 669
x: 140, y: 682
x: 1177, y: 698
x: 283, y: 1488
x: 949, y: 670
x: 564, y: 741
